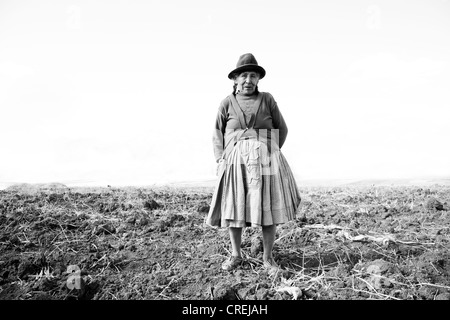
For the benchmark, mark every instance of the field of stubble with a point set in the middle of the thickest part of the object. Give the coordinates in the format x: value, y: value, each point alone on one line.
x: 141, y: 243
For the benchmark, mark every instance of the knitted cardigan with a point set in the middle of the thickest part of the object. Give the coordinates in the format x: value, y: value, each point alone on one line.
x: 231, y: 124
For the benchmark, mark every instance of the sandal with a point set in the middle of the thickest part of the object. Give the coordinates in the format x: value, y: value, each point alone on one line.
x: 232, y: 263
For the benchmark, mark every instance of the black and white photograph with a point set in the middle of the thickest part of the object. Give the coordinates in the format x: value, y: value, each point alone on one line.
x: 230, y: 152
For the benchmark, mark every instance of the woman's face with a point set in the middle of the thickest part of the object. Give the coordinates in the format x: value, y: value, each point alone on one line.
x: 246, y: 82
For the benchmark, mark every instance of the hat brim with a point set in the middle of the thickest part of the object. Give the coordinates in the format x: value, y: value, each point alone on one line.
x: 248, y: 67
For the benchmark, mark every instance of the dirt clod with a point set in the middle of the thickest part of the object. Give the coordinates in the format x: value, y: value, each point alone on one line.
x: 261, y: 294
x: 151, y: 205
x: 203, y: 208
x: 434, y: 204
x: 224, y: 292
x: 443, y: 296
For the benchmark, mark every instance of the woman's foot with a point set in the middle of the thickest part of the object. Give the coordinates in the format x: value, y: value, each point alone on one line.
x: 232, y: 263
x: 270, y: 265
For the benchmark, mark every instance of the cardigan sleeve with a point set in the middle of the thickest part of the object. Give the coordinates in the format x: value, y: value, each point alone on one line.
x: 278, y: 121
x: 219, y: 132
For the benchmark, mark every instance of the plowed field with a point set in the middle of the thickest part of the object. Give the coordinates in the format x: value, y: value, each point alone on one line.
x: 138, y: 243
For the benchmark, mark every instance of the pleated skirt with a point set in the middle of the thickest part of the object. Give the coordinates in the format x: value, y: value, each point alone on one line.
x: 255, y: 188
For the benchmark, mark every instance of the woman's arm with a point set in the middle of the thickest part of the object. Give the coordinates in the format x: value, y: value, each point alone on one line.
x: 278, y: 121
x: 219, y: 131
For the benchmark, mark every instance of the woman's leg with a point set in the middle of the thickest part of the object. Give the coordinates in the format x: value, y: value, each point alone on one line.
x: 268, y: 241
x: 235, y: 260
x: 235, y: 237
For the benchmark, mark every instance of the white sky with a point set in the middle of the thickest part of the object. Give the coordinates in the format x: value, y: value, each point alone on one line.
x: 126, y: 92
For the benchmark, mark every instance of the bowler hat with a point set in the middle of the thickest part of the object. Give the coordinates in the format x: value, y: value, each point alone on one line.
x: 247, y: 62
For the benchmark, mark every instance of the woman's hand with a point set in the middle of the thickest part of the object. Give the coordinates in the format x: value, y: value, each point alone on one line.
x: 220, y: 165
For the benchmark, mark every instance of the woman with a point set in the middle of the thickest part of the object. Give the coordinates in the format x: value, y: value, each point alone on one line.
x: 255, y: 185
